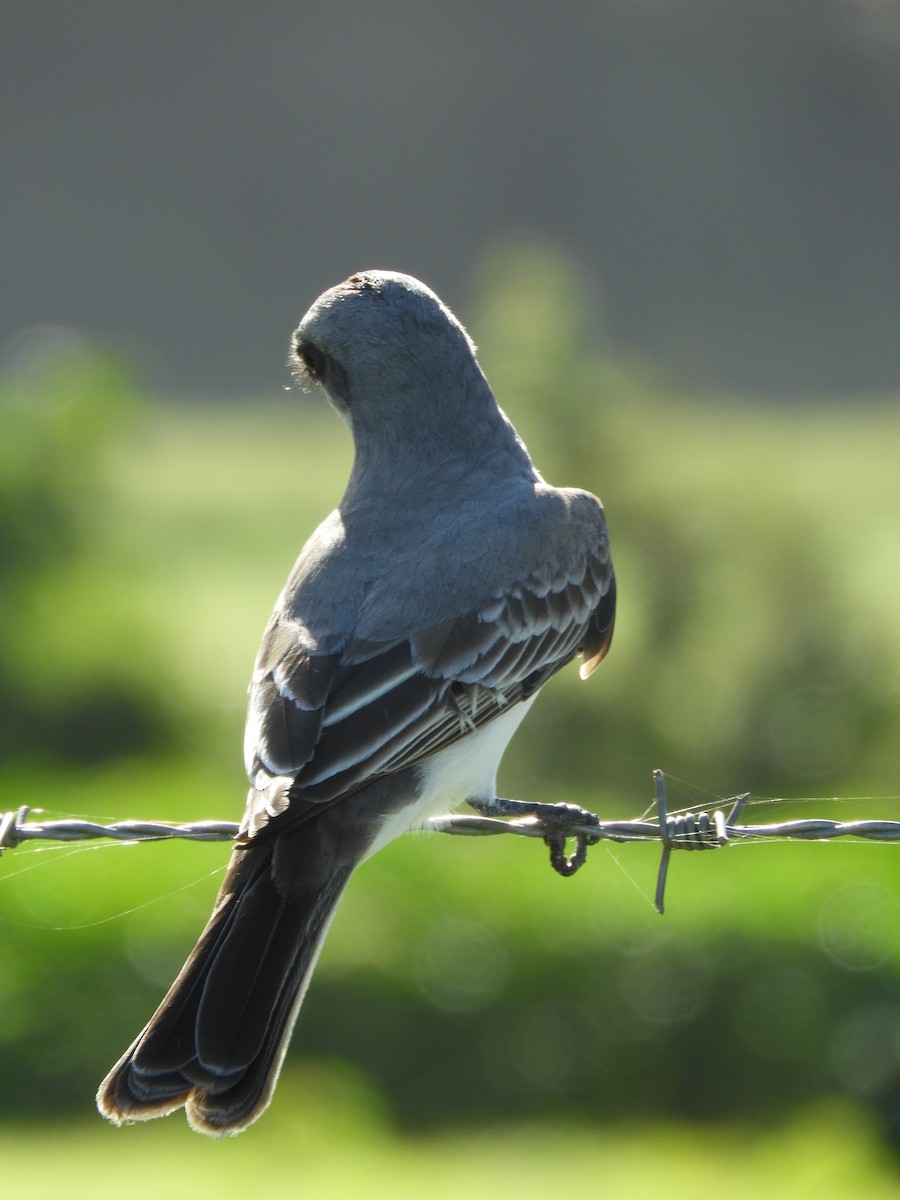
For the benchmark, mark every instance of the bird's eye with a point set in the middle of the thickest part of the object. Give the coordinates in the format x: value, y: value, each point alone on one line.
x: 313, y: 359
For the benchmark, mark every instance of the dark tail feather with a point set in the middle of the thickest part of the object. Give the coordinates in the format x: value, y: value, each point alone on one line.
x: 217, y: 1041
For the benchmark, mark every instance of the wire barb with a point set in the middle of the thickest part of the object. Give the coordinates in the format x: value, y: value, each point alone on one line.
x: 689, y: 830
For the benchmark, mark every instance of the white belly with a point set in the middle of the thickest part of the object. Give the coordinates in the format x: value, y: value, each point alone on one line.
x: 464, y: 771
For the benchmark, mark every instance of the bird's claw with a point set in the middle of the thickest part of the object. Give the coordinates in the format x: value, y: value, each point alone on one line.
x: 561, y: 821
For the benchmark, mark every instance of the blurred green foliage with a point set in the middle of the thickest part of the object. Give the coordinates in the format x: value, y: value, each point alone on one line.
x: 70, y: 689
x: 333, y: 1135
x: 757, y: 648
x: 756, y: 639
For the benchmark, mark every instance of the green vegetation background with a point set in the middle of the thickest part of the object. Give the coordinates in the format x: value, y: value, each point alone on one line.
x: 476, y: 1022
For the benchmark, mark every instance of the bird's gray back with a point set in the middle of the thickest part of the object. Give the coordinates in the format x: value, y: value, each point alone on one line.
x: 432, y: 567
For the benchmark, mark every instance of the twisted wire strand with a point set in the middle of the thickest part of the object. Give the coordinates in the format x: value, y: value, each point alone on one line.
x: 695, y: 831
x: 692, y: 830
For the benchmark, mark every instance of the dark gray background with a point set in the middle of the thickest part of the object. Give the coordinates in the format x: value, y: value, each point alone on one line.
x: 182, y: 178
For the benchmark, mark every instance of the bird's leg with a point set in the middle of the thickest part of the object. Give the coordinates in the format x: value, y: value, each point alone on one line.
x: 560, y: 821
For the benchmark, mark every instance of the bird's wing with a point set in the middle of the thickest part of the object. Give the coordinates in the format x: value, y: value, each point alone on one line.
x: 323, y: 723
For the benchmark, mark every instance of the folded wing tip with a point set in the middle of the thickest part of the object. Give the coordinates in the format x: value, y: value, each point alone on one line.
x: 590, y: 665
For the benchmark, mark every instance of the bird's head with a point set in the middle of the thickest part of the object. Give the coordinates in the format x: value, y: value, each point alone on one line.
x: 378, y: 340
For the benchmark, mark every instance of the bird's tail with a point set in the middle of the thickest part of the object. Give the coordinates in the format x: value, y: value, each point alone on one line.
x: 217, y: 1041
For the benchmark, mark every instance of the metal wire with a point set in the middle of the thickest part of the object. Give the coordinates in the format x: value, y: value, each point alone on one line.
x: 693, y: 830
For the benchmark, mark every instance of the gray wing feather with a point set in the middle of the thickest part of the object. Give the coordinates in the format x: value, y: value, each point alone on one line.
x: 323, y: 724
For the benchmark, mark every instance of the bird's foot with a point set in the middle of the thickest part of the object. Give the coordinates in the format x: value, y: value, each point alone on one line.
x: 559, y: 822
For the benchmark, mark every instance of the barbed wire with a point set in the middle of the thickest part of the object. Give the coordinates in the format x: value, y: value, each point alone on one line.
x: 688, y: 829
